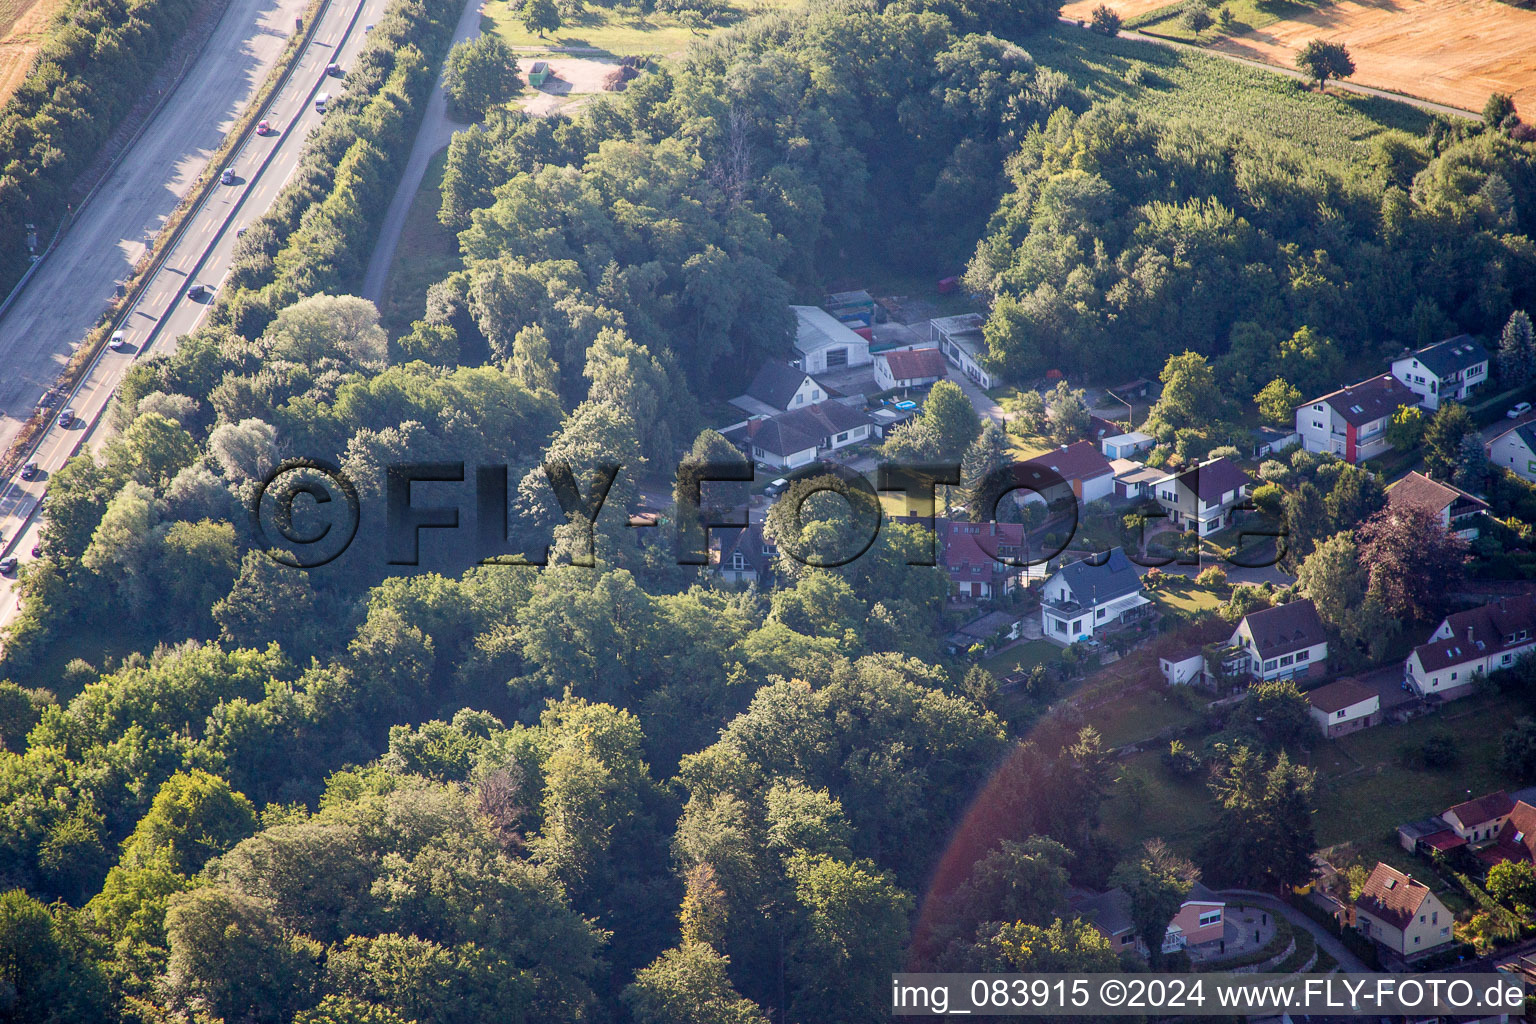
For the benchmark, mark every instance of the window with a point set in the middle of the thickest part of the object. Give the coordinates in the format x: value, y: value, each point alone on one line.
x: 1339, y: 714
x: 1445, y: 931
x: 1415, y: 940
x: 1304, y: 656
x: 1288, y: 659
x: 1125, y: 940
x: 1453, y: 675
x: 1100, y: 613
x: 1434, y: 918
x: 1210, y: 917
x: 1269, y: 665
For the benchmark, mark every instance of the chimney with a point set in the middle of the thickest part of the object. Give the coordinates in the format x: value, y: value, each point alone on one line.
x: 1469, y: 634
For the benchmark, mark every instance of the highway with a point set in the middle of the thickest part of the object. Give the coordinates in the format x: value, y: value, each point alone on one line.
x: 71, y: 287
x: 202, y: 255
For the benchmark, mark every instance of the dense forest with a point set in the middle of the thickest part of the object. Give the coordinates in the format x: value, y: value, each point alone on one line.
x: 232, y: 790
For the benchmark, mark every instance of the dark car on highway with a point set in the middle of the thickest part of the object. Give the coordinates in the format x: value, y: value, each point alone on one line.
x: 197, y: 292
x: 67, y: 418
x: 29, y: 471
x: 8, y: 564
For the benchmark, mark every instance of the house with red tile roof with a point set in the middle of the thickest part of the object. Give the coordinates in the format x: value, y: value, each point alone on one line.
x: 1516, y: 839
x: 1343, y: 707
x: 982, y: 559
x: 909, y: 368
x: 1469, y: 645
x: 1400, y: 914
x: 1480, y: 819
x: 1459, y: 512
x: 1077, y: 470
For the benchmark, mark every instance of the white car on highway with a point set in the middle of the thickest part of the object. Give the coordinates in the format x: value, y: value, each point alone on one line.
x: 118, y: 339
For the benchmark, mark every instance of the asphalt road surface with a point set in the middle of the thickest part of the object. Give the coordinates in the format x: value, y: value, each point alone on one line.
x: 69, y: 290
x: 202, y: 255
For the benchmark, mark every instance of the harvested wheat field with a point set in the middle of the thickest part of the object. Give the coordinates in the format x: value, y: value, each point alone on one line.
x: 1450, y: 51
x: 1082, y: 9
x: 23, y: 27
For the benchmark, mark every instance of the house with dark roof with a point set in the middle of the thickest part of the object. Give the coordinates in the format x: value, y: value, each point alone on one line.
x: 1469, y: 645
x: 1447, y: 371
x: 909, y: 368
x: 1197, y: 928
x: 1400, y: 914
x: 1516, y: 838
x: 1515, y: 450
x: 795, y: 438
x: 1479, y: 820
x: 1078, y: 470
x: 1266, y: 441
x: 1203, y: 497
x: 1343, y: 707
x: 779, y: 387
x: 742, y: 556
x: 1352, y: 422
x: 1283, y: 642
x: 1086, y: 597
x: 1459, y: 512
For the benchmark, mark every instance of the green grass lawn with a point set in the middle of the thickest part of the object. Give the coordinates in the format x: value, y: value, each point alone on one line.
x: 1188, y: 600
x: 1217, y: 93
x: 1140, y: 715
x: 1247, y: 15
x: 620, y: 30
x: 427, y: 253
x: 1177, y: 810
x: 1023, y: 656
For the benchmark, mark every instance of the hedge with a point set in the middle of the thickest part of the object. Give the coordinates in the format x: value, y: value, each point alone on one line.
x: 317, y: 235
x: 87, y: 76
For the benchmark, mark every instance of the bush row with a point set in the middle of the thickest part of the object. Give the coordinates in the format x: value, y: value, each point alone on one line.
x: 88, y: 75
x: 317, y: 235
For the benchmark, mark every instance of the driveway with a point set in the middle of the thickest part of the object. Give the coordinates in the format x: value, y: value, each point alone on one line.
x: 983, y: 403
x: 1388, y: 682
x: 1325, y: 938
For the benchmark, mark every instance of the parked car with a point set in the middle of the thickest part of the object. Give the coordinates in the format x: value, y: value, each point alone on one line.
x: 8, y: 564
x: 67, y: 418
x: 29, y: 471
x: 118, y: 339
x: 263, y: 127
x: 776, y: 488
x: 1519, y: 410
x: 227, y: 177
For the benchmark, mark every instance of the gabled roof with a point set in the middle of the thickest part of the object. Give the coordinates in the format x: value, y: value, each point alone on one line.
x: 1479, y: 631
x: 1210, y: 480
x: 1095, y: 584
x: 1418, y: 491
x: 799, y: 429
x: 1368, y: 400
x: 1099, y: 428
x: 1337, y: 696
x: 1450, y: 356
x: 914, y: 363
x: 968, y: 545
x: 816, y: 329
x: 1517, y: 838
x: 1480, y: 811
x: 1110, y: 912
x: 1391, y: 896
x: 1081, y: 460
x: 1526, y: 432
x: 1284, y: 628
x: 749, y: 541
x: 776, y: 383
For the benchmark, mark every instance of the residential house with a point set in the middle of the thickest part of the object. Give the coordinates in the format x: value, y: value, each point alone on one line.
x: 1084, y: 598
x: 795, y: 438
x: 1283, y: 642
x: 908, y: 368
x: 1352, y: 422
x: 825, y: 343
x: 1459, y: 512
x: 961, y: 340
x: 1198, y: 923
x: 1078, y: 470
x: 1133, y: 479
x: 1343, y: 707
x: 1203, y: 498
x: 1400, y: 914
x: 1447, y: 371
x: 984, y: 560
x: 1188, y: 670
x: 1516, y: 839
x: 1267, y: 441
x: 1515, y: 450
x: 779, y: 387
x: 1123, y: 446
x: 744, y: 555
x: 1479, y: 820
x: 987, y: 630
x: 1471, y: 644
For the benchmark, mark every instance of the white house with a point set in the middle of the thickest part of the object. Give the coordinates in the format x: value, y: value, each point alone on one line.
x: 825, y: 343
x: 1352, y: 422
x: 908, y: 368
x: 1083, y: 598
x: 1471, y: 644
x: 779, y: 387
x: 1202, y: 498
x: 795, y: 438
x: 1123, y: 446
x: 961, y: 340
x: 1183, y: 671
x: 1080, y: 466
x: 1344, y: 707
x: 1446, y: 371
x: 1133, y: 479
x: 1515, y: 450
x: 1283, y: 642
